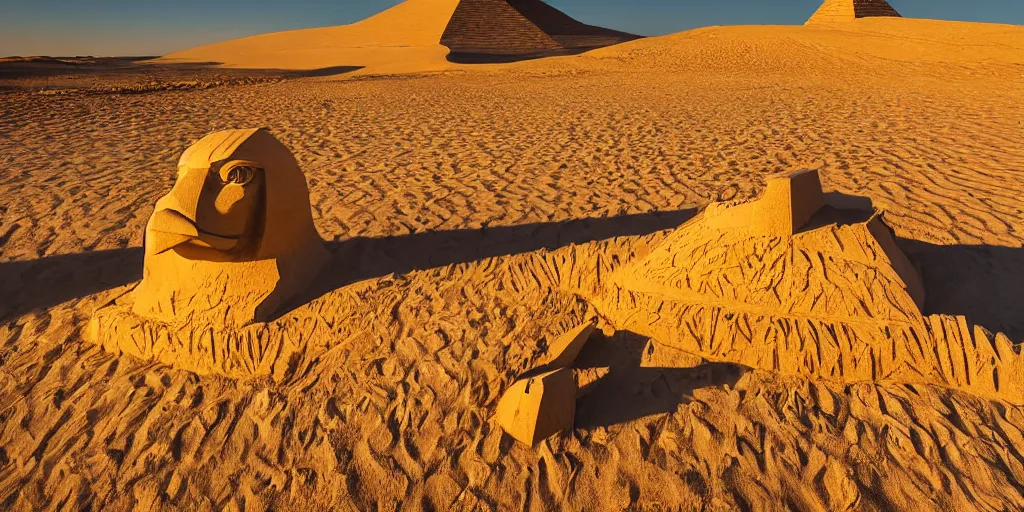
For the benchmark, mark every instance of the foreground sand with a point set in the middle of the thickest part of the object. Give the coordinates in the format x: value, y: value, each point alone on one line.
x: 457, y: 197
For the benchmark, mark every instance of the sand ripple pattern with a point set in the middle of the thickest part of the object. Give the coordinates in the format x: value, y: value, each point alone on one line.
x: 394, y: 406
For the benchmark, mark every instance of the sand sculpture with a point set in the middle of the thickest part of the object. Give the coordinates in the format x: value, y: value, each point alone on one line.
x: 227, y: 247
x: 799, y: 283
x: 542, y: 402
x: 832, y: 11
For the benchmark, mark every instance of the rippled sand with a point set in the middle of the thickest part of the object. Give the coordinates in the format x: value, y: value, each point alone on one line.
x: 455, y: 197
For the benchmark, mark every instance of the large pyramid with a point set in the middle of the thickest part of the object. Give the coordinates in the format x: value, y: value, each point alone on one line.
x: 847, y: 10
x: 490, y: 28
x: 414, y: 36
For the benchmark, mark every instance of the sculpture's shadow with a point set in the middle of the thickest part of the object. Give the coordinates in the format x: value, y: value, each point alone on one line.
x: 360, y: 258
x: 39, y: 284
x: 630, y: 391
x: 32, y: 285
x: 985, y: 283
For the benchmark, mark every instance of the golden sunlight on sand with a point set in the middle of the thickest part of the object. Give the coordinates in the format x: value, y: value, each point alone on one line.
x: 748, y: 267
x: 401, y: 39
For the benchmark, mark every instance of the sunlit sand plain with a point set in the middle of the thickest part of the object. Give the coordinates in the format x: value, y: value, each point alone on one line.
x: 466, y: 205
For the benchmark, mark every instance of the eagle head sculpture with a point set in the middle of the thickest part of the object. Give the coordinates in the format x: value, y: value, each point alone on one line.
x: 234, y: 238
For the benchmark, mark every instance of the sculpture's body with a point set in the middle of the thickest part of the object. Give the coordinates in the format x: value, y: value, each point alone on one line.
x: 800, y: 284
x: 235, y: 233
x: 230, y: 244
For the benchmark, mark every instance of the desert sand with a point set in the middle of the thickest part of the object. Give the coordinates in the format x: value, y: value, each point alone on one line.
x: 401, y: 39
x: 476, y: 213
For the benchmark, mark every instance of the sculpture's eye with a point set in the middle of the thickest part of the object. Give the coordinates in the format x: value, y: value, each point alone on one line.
x: 238, y: 174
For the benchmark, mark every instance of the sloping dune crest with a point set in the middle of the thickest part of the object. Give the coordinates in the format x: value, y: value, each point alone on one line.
x: 869, y: 43
x: 404, y: 38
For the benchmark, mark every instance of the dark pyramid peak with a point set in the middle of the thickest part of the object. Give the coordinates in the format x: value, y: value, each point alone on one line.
x: 835, y: 11
x: 489, y: 30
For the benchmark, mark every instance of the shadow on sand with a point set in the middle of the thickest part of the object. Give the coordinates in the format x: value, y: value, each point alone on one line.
x: 113, y: 67
x: 982, y: 282
x: 38, y: 284
x: 631, y: 392
x: 503, y: 58
x: 375, y: 257
x: 27, y: 286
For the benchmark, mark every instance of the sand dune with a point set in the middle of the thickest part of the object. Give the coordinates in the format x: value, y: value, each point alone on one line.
x: 408, y: 38
x: 404, y: 38
x: 471, y: 216
x: 858, y: 47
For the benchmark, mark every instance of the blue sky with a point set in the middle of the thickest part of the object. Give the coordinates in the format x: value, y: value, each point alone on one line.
x: 153, y: 27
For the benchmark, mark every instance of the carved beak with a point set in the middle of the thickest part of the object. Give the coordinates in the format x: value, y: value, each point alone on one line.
x: 170, y: 228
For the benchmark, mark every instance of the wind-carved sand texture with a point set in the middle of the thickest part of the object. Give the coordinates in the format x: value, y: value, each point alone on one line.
x: 794, y: 286
x: 458, y: 209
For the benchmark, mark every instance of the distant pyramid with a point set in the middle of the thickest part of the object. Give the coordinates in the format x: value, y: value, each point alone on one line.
x: 847, y: 10
x: 516, y: 28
